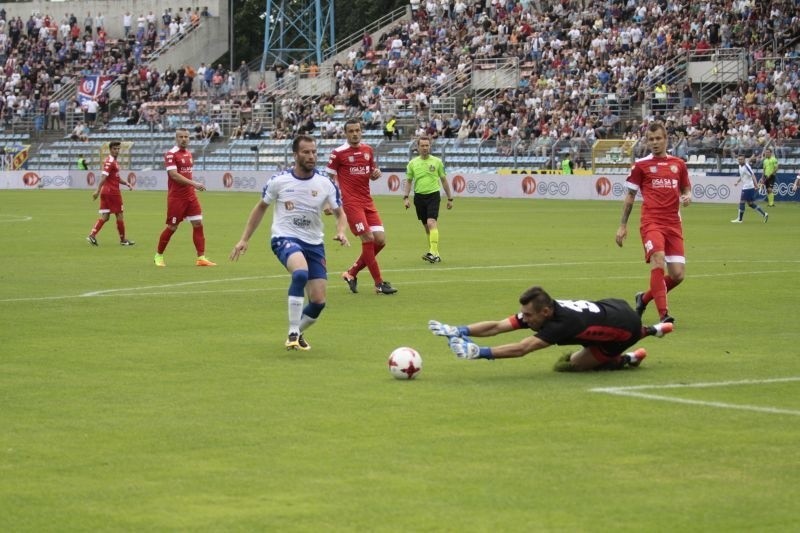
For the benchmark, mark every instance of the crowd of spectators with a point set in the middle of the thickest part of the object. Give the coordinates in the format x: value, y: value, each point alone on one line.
x: 38, y: 56
x: 583, y: 65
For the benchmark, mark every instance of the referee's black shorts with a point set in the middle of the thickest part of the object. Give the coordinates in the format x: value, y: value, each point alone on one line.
x: 427, y: 205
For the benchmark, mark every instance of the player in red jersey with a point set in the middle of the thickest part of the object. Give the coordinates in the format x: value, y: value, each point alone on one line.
x: 110, y: 196
x: 352, y: 166
x: 182, y: 202
x: 664, y: 183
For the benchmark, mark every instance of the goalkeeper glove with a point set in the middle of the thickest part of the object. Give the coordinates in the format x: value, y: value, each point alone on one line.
x: 437, y: 328
x: 465, y: 349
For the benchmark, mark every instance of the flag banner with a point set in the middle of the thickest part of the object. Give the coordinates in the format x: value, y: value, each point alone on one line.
x: 14, y: 156
x: 91, y: 87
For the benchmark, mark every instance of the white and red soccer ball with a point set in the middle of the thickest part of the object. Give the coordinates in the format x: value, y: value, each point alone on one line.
x: 405, y: 363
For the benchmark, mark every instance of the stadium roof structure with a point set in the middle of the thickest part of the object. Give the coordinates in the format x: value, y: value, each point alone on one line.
x: 296, y: 31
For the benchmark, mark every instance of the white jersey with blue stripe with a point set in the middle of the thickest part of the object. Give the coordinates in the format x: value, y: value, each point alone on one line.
x: 748, y: 177
x: 299, y: 203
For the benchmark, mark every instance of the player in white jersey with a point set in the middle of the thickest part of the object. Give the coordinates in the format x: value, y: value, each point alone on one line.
x: 748, y: 180
x: 300, y: 196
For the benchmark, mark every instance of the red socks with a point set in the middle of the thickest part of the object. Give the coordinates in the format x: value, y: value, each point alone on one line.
x: 365, y: 258
x: 163, y: 240
x: 97, y: 226
x: 658, y: 290
x: 199, y: 240
x: 368, y: 257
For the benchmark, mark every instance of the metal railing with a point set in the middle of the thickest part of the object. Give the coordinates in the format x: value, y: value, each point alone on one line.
x: 730, y: 66
x: 344, y: 44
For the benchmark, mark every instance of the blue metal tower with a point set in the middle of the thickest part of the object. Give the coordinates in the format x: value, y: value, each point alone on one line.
x: 297, y: 30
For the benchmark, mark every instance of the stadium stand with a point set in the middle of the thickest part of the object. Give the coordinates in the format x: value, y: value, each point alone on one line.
x: 501, y: 84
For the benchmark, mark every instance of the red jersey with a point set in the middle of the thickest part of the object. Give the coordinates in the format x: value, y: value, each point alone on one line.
x: 353, y: 167
x: 660, y: 180
x: 181, y: 161
x: 111, y: 172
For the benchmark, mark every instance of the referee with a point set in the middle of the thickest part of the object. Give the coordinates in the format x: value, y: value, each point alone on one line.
x: 770, y: 166
x: 426, y: 173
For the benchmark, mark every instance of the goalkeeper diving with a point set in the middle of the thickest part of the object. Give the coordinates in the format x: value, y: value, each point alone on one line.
x: 605, y: 329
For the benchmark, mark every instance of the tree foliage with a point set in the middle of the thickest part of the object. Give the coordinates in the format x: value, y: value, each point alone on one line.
x: 350, y: 16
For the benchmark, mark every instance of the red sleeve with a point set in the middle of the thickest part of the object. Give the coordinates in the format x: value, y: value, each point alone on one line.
x: 516, y: 321
x: 636, y: 175
x: 333, y: 163
x: 684, y: 179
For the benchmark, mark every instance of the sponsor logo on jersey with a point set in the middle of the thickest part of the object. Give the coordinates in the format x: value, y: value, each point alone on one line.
x: 664, y: 183
x: 301, y: 222
x: 359, y: 170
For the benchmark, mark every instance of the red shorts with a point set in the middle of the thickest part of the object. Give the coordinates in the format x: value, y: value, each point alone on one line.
x: 600, y: 356
x: 667, y: 239
x: 363, y: 219
x: 111, y: 203
x: 179, y: 209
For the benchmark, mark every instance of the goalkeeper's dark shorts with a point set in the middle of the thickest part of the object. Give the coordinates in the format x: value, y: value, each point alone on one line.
x: 427, y: 205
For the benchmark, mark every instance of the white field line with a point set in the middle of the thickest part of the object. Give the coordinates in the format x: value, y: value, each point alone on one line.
x: 170, y: 285
x: 146, y: 289
x: 635, y: 391
x: 15, y: 218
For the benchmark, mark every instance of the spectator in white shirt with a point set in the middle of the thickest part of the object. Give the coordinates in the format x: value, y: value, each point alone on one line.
x: 127, y: 21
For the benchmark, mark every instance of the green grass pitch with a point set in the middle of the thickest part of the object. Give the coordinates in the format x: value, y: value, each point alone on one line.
x: 144, y: 399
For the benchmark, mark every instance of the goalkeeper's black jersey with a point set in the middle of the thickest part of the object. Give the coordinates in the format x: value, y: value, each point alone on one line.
x: 609, y: 321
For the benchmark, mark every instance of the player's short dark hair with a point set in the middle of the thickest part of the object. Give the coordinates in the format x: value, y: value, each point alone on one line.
x: 424, y: 138
x: 301, y: 138
x: 537, y: 296
x: 349, y: 121
x: 114, y: 144
x: 657, y: 126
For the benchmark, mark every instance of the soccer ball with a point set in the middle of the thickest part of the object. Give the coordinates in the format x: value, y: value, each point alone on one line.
x: 405, y: 363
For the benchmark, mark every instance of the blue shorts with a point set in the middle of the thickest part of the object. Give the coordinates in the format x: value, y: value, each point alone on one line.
x: 748, y: 195
x: 283, y: 247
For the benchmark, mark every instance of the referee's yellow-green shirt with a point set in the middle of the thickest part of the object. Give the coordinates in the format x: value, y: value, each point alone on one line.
x: 426, y: 174
x: 770, y: 165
